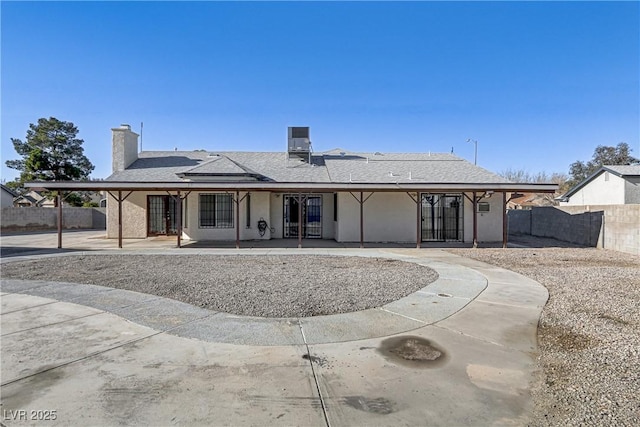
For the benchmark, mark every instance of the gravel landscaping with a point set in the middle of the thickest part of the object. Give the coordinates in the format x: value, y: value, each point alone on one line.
x: 589, y: 334
x: 264, y: 286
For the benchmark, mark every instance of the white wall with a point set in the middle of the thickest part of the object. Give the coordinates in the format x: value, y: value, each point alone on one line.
x: 277, y: 209
x: 260, y: 208
x: 489, y: 223
x: 604, y: 189
x: 387, y: 217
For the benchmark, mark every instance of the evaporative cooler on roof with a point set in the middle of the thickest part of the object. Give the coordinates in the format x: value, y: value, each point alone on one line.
x: 299, y: 143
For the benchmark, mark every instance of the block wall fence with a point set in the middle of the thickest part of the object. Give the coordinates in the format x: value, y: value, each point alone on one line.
x: 33, y: 219
x: 615, y: 227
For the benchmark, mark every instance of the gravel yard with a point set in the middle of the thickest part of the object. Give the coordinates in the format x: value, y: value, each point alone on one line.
x: 589, y: 335
x: 265, y: 286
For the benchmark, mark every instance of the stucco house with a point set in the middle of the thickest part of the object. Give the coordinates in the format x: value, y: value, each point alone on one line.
x: 33, y: 199
x: 300, y: 194
x: 6, y: 201
x: 609, y: 185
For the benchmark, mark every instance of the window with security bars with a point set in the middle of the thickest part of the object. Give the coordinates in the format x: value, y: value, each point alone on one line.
x: 215, y: 211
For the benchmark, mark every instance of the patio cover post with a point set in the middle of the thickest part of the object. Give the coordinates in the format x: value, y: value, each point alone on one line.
x: 361, y: 222
x: 237, y: 219
x: 504, y: 220
x: 418, y: 220
x: 179, y: 219
x: 120, y: 219
x: 299, y: 220
x: 418, y: 202
x: 475, y: 220
x: 59, y: 197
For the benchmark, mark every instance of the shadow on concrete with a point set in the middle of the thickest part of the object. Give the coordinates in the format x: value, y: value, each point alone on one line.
x: 315, y: 244
x: 11, y: 251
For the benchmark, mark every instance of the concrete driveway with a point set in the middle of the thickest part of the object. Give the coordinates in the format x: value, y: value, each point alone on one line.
x: 459, y: 352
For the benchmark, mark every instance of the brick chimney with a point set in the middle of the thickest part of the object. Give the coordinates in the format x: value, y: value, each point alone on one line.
x: 124, y: 147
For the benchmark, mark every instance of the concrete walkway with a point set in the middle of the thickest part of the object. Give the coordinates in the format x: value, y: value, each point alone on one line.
x: 459, y: 352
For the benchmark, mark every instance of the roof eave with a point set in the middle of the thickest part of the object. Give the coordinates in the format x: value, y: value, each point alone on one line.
x: 290, y: 186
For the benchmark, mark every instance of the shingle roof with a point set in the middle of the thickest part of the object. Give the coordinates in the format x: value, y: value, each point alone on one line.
x: 624, y: 170
x: 335, y: 166
x: 406, y: 167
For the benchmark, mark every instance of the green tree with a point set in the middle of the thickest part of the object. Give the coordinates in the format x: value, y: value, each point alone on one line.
x: 602, y: 155
x: 51, y: 152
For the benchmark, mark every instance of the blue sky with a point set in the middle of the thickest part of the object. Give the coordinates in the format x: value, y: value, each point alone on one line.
x: 538, y: 84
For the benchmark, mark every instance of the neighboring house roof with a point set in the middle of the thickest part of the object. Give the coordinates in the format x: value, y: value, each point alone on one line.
x: 529, y: 200
x: 622, y: 171
x: 25, y: 199
x: 8, y: 190
x: 335, y: 166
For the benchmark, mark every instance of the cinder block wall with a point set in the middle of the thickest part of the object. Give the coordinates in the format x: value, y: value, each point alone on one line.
x: 615, y: 227
x: 33, y: 219
x: 582, y: 228
x: 519, y: 221
x: 622, y: 228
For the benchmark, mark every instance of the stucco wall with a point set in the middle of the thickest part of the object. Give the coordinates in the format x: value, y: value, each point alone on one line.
x: 124, y: 147
x: 387, y: 217
x: 260, y: 208
x: 7, y: 200
x: 604, y: 189
x: 27, y: 219
x: 489, y: 223
x: 134, y: 216
x: 632, y: 190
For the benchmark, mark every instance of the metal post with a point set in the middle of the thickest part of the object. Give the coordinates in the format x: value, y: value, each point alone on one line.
x: 237, y: 219
x: 59, y: 197
x: 475, y: 220
x: 120, y: 219
x: 179, y: 218
x: 361, y: 222
x: 504, y: 219
x: 299, y: 220
x: 418, y: 220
